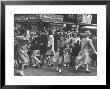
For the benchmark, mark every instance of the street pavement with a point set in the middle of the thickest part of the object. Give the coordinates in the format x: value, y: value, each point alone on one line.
x: 51, y: 71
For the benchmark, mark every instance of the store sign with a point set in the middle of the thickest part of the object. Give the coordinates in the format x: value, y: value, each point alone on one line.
x: 87, y: 19
x: 84, y: 18
x: 51, y: 18
x: 25, y: 18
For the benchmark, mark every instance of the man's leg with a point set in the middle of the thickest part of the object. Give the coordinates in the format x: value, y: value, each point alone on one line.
x: 49, y: 61
x: 60, y: 61
x: 59, y: 67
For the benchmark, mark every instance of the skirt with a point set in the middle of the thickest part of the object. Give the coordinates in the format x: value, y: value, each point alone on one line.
x: 24, y: 58
x: 83, y: 58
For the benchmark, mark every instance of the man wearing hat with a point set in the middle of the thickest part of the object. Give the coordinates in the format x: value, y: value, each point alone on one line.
x: 61, y: 56
x: 83, y: 57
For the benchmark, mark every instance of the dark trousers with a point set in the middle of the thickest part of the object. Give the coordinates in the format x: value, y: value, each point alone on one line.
x: 61, y: 54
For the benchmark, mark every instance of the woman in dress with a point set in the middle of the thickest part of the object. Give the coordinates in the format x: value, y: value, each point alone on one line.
x: 23, y: 57
x: 83, y: 57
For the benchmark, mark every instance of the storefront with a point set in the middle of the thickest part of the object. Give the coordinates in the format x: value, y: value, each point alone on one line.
x: 84, y: 20
x: 24, y: 22
x: 53, y: 23
x: 92, y: 29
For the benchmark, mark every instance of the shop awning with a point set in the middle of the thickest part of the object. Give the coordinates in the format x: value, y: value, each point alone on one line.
x: 51, y: 18
x: 67, y: 23
x: 90, y: 27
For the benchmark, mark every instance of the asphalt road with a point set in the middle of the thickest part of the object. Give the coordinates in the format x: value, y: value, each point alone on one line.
x: 51, y: 71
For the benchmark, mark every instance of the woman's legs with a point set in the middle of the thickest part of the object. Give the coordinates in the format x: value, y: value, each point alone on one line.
x: 86, y: 67
x: 22, y: 68
x: 78, y: 65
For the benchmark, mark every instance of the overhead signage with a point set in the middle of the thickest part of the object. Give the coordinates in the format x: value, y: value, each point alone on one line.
x: 84, y: 18
x: 51, y: 18
x: 26, y: 18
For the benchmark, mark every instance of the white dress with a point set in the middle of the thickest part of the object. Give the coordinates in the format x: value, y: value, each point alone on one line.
x: 83, y: 57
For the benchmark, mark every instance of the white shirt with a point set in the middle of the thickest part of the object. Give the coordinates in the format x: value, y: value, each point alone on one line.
x: 75, y: 40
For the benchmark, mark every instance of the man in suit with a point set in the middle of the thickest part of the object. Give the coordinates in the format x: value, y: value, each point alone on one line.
x: 61, y: 56
x: 83, y: 57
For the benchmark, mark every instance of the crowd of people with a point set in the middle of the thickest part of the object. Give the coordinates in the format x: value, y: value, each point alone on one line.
x: 35, y: 48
